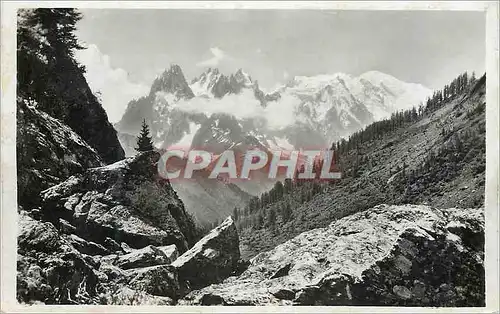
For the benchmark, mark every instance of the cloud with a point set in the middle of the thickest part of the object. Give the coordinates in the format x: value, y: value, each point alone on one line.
x: 218, y: 56
x: 277, y: 114
x: 112, y: 83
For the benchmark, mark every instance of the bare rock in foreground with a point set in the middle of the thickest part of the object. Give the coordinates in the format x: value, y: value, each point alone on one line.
x: 211, y: 259
x: 50, y: 269
x: 389, y: 255
x: 123, y: 202
x: 148, y: 256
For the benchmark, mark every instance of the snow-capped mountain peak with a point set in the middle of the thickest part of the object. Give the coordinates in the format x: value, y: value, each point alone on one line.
x: 243, y: 78
x: 310, y: 110
x: 212, y: 83
x: 205, y: 83
x: 172, y: 81
x: 387, y: 94
x: 318, y: 81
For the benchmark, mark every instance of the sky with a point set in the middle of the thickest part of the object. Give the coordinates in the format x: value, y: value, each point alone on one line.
x: 127, y: 48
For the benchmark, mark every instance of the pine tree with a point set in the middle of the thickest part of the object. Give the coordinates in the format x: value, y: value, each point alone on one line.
x: 473, y: 77
x: 271, y: 217
x: 235, y: 214
x: 144, y: 141
x: 287, y: 211
x: 260, y: 220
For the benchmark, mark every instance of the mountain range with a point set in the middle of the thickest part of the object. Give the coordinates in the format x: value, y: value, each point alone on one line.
x: 404, y: 226
x: 306, y: 111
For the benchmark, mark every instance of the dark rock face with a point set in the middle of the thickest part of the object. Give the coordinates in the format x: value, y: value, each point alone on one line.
x: 389, y: 255
x: 172, y: 81
x: 48, y: 152
x: 221, y: 87
x: 218, y: 133
x: 49, y: 74
x: 125, y: 202
x: 89, y: 120
x: 211, y: 259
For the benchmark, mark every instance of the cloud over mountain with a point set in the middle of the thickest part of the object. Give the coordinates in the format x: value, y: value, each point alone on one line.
x: 277, y: 114
x: 217, y: 56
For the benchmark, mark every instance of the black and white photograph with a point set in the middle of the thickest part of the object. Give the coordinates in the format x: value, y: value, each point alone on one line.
x: 250, y: 156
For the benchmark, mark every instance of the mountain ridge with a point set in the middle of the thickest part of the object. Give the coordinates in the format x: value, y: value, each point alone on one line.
x: 332, y: 105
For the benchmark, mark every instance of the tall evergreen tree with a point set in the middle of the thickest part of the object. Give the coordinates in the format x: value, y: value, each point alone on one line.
x: 287, y: 211
x: 271, y: 217
x: 144, y: 141
x: 236, y: 215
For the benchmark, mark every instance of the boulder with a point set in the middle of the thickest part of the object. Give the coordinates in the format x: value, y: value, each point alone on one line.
x: 148, y: 256
x: 37, y: 235
x: 161, y: 280
x: 86, y: 247
x: 211, y: 259
x: 52, y: 270
x: 388, y: 255
x: 125, y: 202
x: 113, y: 273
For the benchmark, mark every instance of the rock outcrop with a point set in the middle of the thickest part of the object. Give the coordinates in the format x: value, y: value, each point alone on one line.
x: 388, y: 255
x: 124, y: 202
x: 148, y: 256
x: 211, y: 259
x: 94, y: 233
x: 148, y: 276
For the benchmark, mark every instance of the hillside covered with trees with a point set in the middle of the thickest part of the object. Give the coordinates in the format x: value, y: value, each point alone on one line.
x: 431, y: 154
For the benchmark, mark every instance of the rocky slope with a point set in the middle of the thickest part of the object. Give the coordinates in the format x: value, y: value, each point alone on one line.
x: 123, y: 202
x: 48, y: 152
x: 55, y: 266
x: 112, y: 232
x: 388, y: 255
